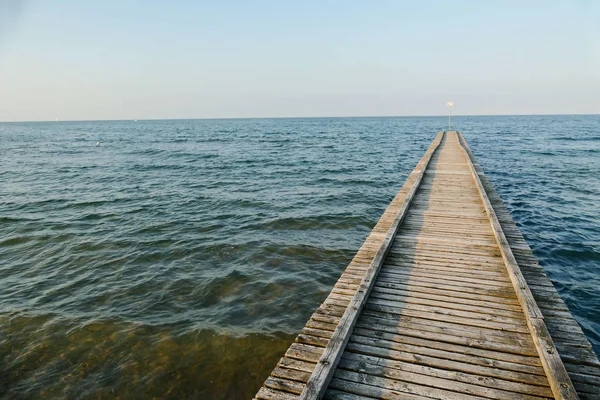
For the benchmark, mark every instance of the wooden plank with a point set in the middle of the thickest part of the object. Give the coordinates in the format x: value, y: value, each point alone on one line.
x: 298, y: 365
x: 448, y: 276
x: 443, y: 379
x: 400, y: 387
x: 304, y: 352
x: 445, y: 290
x: 469, y: 338
x: 439, y: 284
x: 444, y: 302
x: 419, y: 351
x: 444, y: 325
x: 449, y: 240
x: 489, y: 268
x: 403, y: 305
x: 317, y: 384
x: 453, y: 254
x: 284, y: 385
x: 450, y: 365
x: 458, y: 348
x: 266, y: 393
x: 333, y: 394
x: 372, y: 392
x: 450, y: 269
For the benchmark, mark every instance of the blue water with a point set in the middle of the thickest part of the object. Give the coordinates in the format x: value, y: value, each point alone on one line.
x: 179, y: 258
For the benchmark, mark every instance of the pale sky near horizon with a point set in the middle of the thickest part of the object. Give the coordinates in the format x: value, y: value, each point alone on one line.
x: 194, y: 59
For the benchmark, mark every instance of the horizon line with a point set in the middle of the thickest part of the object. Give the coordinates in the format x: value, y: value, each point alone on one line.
x: 302, y: 117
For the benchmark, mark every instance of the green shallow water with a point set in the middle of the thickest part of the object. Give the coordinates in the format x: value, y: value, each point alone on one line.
x: 124, y: 360
x: 178, y: 259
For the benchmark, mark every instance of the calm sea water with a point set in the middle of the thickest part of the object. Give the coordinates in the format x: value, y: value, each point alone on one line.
x: 178, y: 259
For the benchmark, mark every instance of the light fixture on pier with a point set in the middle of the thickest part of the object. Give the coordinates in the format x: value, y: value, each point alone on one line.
x: 449, y: 104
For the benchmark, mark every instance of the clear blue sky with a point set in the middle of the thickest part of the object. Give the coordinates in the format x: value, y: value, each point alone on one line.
x: 193, y: 59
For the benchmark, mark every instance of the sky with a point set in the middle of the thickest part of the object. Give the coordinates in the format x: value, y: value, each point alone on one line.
x: 134, y: 59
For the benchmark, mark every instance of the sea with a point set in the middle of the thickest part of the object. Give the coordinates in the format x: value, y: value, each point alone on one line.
x: 179, y: 258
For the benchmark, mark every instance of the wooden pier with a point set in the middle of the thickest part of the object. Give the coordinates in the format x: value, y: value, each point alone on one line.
x: 444, y: 300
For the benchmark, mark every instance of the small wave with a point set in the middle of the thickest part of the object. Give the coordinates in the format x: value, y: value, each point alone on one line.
x: 566, y: 138
x: 150, y: 152
x: 593, y: 151
x: 221, y: 288
x: 9, y: 220
x: 157, y: 167
x: 206, y: 156
x: 96, y: 216
x: 96, y: 203
x: 237, y: 226
x: 320, y: 222
x: 15, y: 241
x: 582, y: 253
x: 180, y: 140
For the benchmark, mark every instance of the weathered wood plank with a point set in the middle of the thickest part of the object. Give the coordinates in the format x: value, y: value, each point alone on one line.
x: 443, y: 303
x: 450, y: 347
x: 443, y: 379
x: 319, y: 380
x: 444, y: 332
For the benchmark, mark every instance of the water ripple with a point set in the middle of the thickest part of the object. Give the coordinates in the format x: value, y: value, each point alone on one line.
x: 181, y: 257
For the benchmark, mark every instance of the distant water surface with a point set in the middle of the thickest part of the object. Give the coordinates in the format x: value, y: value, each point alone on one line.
x: 178, y: 259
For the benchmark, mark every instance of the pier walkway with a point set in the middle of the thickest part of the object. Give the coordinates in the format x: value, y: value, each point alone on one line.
x: 444, y: 300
